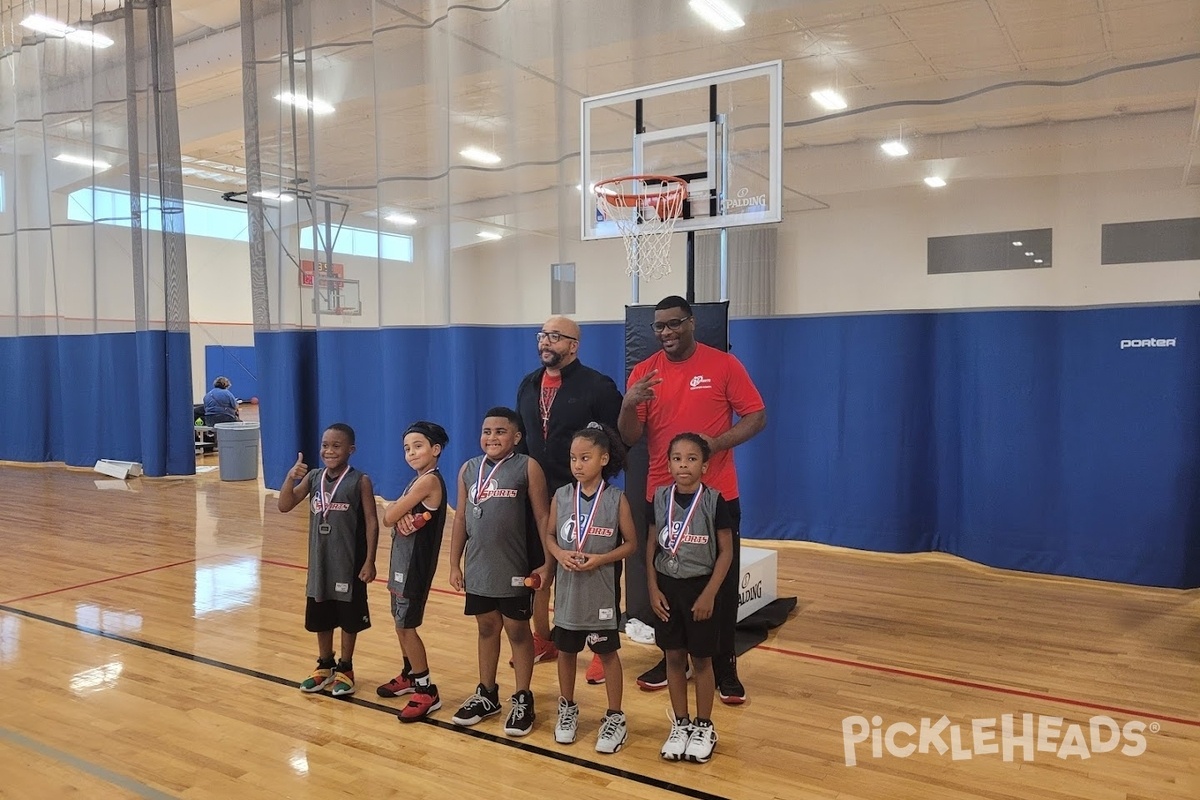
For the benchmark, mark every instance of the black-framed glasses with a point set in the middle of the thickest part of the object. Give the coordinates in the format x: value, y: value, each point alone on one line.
x: 673, y: 324
x: 554, y: 337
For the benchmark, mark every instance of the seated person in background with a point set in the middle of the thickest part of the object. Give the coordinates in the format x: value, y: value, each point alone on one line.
x: 219, y: 404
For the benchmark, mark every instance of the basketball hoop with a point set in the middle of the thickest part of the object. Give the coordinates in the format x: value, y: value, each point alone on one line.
x: 644, y: 208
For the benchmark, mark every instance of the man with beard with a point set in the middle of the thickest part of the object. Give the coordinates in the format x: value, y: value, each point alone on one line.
x: 689, y: 387
x: 554, y: 401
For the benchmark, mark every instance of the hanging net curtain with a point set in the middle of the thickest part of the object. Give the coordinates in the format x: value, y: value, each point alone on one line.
x: 93, y: 274
x: 408, y: 128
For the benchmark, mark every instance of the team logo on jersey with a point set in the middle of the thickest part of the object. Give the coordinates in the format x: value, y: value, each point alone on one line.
x: 688, y: 538
x: 492, y: 490
x: 596, y: 638
x: 700, y: 382
x: 568, y: 532
x: 318, y: 507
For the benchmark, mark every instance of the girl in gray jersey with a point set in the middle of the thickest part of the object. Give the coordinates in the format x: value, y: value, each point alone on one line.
x: 497, y: 493
x: 592, y: 532
x: 685, y: 563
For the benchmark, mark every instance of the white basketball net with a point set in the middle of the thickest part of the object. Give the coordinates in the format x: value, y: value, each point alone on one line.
x: 644, y: 209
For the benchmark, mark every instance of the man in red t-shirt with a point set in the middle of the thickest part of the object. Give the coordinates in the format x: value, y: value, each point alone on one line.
x: 691, y: 387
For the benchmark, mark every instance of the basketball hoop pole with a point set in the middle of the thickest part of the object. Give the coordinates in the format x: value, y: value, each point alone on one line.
x: 721, y: 194
x: 639, y: 127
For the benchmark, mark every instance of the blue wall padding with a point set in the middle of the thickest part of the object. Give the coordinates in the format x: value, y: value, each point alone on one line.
x: 1028, y: 440
x: 78, y: 399
x: 236, y: 363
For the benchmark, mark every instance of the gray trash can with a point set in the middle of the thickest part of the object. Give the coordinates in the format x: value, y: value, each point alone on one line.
x: 237, y: 450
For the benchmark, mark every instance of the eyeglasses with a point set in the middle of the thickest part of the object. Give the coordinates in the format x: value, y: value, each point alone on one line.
x: 673, y: 324
x: 554, y: 337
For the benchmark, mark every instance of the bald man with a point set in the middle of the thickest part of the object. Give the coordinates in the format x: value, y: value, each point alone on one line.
x: 554, y: 401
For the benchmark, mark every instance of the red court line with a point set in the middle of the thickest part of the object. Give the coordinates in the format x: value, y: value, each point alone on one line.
x: 845, y: 662
x: 377, y: 580
x: 101, y: 580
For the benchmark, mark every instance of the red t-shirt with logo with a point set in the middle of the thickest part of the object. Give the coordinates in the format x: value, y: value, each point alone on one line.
x: 698, y: 395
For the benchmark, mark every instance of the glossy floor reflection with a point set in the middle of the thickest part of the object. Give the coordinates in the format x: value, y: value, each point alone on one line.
x: 151, y: 640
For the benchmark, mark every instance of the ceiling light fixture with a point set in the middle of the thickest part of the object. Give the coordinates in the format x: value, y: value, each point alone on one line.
x: 717, y: 13
x: 829, y: 99
x: 52, y: 27
x: 1028, y: 252
x: 44, y: 24
x: 1037, y: 261
x: 895, y: 149
x: 490, y: 236
x: 99, y: 166
x: 401, y: 219
x: 479, y: 155
x: 935, y: 182
x: 317, y: 106
x: 279, y: 196
x: 1018, y: 244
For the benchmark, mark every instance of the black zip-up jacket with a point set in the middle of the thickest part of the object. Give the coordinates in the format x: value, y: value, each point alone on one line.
x: 585, y: 396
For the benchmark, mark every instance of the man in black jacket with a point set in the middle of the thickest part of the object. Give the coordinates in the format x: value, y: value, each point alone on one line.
x: 555, y: 401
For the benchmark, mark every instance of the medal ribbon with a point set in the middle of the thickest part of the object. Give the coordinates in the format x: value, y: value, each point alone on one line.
x: 327, y: 499
x: 482, y: 482
x: 673, y: 540
x: 583, y: 525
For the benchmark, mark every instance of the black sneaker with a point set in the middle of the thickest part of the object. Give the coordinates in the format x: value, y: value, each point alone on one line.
x: 654, y: 678
x: 479, y: 706
x: 520, y: 718
x: 730, y: 688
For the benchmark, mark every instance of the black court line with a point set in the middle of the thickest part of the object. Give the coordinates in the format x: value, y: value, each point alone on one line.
x: 505, y: 741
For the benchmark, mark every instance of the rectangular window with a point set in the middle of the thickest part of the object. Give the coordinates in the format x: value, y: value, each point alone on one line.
x: 986, y: 252
x: 562, y: 288
x: 111, y: 207
x: 1150, y: 242
x: 359, y: 242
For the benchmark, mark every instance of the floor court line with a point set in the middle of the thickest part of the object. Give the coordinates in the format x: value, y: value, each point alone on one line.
x: 505, y: 741
x: 987, y: 687
x: 95, y: 770
x: 100, y: 580
x: 928, y: 676
x: 287, y: 565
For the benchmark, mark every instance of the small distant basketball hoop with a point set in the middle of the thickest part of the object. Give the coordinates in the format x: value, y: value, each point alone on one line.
x: 644, y: 209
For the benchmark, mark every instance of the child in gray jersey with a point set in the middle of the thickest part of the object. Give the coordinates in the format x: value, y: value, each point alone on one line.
x: 592, y: 532
x: 685, y: 564
x: 343, y: 533
x: 497, y: 493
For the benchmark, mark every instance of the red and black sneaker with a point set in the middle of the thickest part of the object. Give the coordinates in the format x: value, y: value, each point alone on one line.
x: 425, y: 700
x: 400, y: 685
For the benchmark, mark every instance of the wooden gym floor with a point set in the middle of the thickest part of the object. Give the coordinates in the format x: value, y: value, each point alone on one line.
x: 151, y: 639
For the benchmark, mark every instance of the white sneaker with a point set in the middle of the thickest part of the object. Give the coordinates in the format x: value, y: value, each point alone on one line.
x: 701, y: 743
x: 613, y: 731
x: 681, y: 732
x: 568, y: 722
x: 639, y: 631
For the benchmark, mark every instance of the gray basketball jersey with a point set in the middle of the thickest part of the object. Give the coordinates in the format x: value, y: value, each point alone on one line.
x: 697, y: 552
x: 587, y: 601
x: 497, y: 515
x: 334, y: 558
